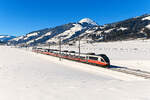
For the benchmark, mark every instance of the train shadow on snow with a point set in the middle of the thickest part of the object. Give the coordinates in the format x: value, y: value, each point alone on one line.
x: 114, y: 66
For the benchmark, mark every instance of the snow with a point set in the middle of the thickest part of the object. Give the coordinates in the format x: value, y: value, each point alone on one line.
x: 18, y: 38
x: 39, y: 37
x: 4, y: 36
x: 32, y: 34
x: 47, y: 34
x: 146, y: 18
x: 99, y: 32
x: 67, y: 33
x: 89, y: 31
x: 108, y: 31
x: 87, y: 20
x: 25, y: 37
x: 31, y: 41
x: 30, y: 76
x: 148, y: 26
x: 122, y: 28
x: 102, y: 27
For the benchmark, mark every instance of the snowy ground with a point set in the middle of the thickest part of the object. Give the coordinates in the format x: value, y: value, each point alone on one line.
x: 25, y: 75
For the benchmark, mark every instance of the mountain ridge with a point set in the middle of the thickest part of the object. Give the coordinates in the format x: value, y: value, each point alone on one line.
x: 6, y: 38
x: 89, y: 31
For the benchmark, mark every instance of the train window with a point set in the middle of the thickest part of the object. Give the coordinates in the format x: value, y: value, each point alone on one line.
x: 102, y: 60
x: 82, y: 57
x: 93, y: 58
x: 76, y: 56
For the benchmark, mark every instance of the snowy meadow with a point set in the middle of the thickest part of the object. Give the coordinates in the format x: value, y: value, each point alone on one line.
x: 25, y: 75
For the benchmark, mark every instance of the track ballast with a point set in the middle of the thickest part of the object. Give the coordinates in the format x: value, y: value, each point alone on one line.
x: 135, y: 72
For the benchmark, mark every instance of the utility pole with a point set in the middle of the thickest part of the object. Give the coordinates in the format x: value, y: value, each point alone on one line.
x: 79, y: 46
x: 49, y: 44
x: 60, y: 49
x: 26, y: 45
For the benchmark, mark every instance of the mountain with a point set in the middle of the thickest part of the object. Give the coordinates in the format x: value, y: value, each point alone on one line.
x: 89, y: 31
x: 52, y: 35
x: 133, y: 28
x: 5, y: 38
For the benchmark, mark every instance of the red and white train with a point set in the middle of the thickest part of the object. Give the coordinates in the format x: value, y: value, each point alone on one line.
x: 90, y: 58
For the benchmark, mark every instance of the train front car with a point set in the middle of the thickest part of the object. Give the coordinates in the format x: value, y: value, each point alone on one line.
x: 104, y: 59
x: 100, y: 59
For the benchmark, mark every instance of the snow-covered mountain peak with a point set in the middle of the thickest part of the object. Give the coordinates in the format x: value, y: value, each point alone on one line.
x: 87, y: 20
x: 6, y: 37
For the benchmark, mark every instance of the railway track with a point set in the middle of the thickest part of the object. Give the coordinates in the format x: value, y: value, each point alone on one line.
x: 135, y: 72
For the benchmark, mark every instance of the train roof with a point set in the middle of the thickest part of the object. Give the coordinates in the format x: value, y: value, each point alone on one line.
x: 48, y: 49
x: 39, y: 48
x: 72, y: 52
x: 55, y: 50
x: 100, y: 55
x: 65, y: 51
x: 90, y: 53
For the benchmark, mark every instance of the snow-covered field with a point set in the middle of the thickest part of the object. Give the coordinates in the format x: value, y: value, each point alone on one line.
x: 25, y: 75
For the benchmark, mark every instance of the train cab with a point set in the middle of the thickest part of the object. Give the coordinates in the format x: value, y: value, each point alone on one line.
x: 101, y: 60
x: 104, y: 58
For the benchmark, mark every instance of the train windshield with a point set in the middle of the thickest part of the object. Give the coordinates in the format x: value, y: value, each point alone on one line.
x: 105, y: 58
x: 102, y: 60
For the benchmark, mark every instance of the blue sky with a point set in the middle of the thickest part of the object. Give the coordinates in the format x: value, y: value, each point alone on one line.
x: 18, y: 17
